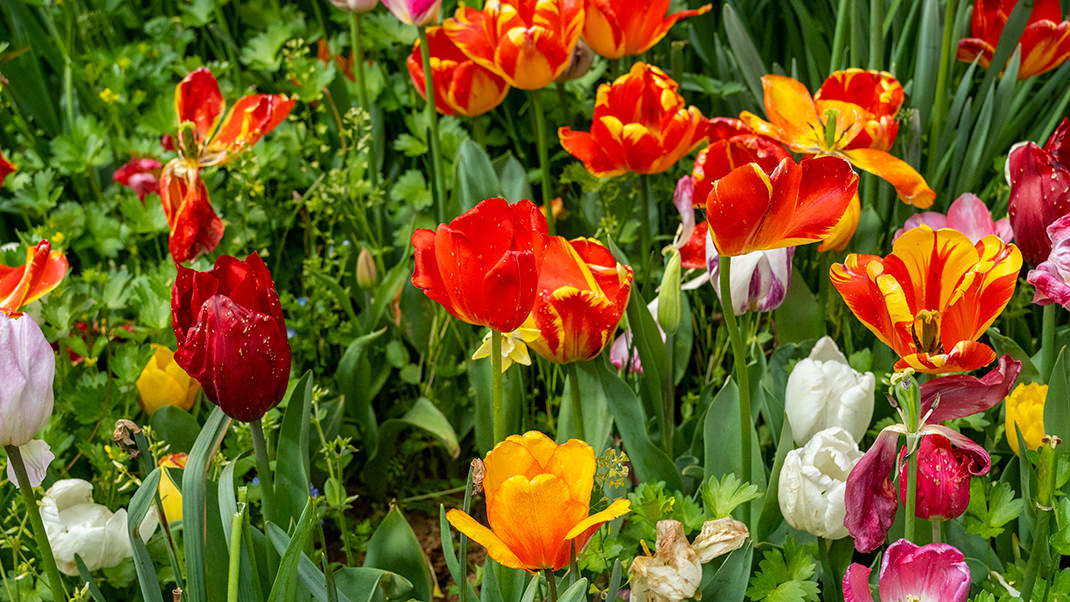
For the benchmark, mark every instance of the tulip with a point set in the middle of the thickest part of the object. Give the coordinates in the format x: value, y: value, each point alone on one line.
x: 932, y: 297
x: 1025, y: 413
x: 1040, y: 191
x: 852, y: 115
x: 355, y: 6
x: 231, y: 335
x: 750, y: 210
x: 618, y: 353
x: 170, y: 496
x: 415, y: 12
x: 27, y: 368
x: 537, y: 495
x: 641, y: 125
x: 936, y: 572
x: 618, y: 28
x: 140, y: 174
x: 675, y: 572
x: 582, y: 295
x: 484, y: 266
x: 813, y: 480
x: 1044, y: 45
x: 943, y: 486
x: 42, y: 272
x: 195, y: 227
x: 164, y: 383
x: 1052, y: 276
x: 823, y: 391
x: 6, y: 168
x: 527, y: 42
x: 759, y: 279
x: 968, y: 215
x: 78, y: 526
x: 461, y: 85
x: 732, y: 145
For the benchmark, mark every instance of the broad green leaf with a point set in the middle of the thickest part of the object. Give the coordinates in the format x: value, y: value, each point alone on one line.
x: 140, y: 505
x: 1057, y: 402
x: 576, y: 593
x: 293, y: 481
x: 194, y: 478
x: 394, y: 547
x: 286, y: 580
x: 474, y: 178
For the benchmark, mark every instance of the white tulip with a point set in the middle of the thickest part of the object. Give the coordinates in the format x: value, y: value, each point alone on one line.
x: 824, y: 391
x: 76, y: 525
x: 813, y: 481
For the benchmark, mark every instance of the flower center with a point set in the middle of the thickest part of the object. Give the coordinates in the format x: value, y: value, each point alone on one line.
x: 926, y: 332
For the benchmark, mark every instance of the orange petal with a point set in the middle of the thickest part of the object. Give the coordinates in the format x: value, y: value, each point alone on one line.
x: 617, y: 508
x: 532, y: 518
x: 1045, y: 46
x: 789, y: 106
x: 478, y: 533
x: 736, y: 206
x: 251, y: 118
x: 965, y: 356
x: 42, y: 272
x: 908, y: 183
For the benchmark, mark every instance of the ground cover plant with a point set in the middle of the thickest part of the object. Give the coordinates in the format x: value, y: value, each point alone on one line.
x: 527, y: 300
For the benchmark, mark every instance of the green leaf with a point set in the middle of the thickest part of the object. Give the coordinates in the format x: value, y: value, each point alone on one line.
x: 1057, y: 404
x: 175, y: 426
x: 423, y: 415
x: 576, y: 593
x: 394, y: 547
x: 784, y: 576
x: 285, y: 585
x: 799, y: 318
x: 721, y: 496
x: 194, y: 478
x: 1060, y: 540
x: 293, y: 480
x: 730, y: 581
x: 990, y: 509
x: 262, y: 52
x: 354, y: 373
x: 747, y: 58
x: 453, y: 563
x: 140, y: 505
x: 474, y: 178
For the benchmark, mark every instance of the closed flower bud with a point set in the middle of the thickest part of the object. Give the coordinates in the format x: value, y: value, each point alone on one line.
x: 579, y: 65
x: 355, y: 6
x: 759, y: 279
x: 813, y: 482
x: 669, y: 304
x: 367, y: 275
x: 1025, y: 409
x: 164, y: 383
x: 824, y: 391
x: 170, y: 496
x: 943, y: 479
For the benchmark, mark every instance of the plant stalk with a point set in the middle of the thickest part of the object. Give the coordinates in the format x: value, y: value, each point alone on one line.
x: 1040, y: 546
x: 263, y: 470
x: 830, y: 582
x: 577, y: 406
x: 438, y: 188
x: 912, y: 489
x: 644, y: 217
x: 551, y: 585
x: 1047, y: 343
x: 544, y: 158
x: 44, y: 548
x: 668, y: 404
x: 234, y: 565
x: 362, y: 94
x: 496, y: 385
x: 739, y: 353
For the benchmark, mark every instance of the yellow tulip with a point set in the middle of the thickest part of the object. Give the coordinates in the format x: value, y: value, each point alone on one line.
x: 165, y: 383
x: 1025, y: 407
x: 170, y: 497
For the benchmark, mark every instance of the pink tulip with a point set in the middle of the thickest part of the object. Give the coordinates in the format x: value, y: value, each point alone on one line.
x: 933, y: 573
x: 1052, y: 276
x: 968, y: 214
x: 415, y: 12
x: 1040, y: 191
x: 943, y: 479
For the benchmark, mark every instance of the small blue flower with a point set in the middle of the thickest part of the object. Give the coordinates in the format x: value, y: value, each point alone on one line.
x: 256, y: 480
x: 290, y: 332
x: 302, y: 301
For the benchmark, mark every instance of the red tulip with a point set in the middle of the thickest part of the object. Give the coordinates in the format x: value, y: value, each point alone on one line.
x: 6, y: 168
x: 484, y: 266
x: 943, y: 478
x: 1040, y: 191
x: 139, y: 174
x: 231, y: 335
x: 732, y: 144
x: 1045, y: 43
x: 461, y: 85
x: 195, y: 227
x: 42, y: 272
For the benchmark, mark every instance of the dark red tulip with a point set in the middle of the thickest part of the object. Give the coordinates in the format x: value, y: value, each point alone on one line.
x: 231, y: 335
x: 943, y: 478
x: 1040, y: 191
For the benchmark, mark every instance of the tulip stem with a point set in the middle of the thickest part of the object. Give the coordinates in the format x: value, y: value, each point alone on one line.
x: 551, y: 584
x: 496, y: 385
x: 44, y: 549
x: 544, y: 157
x: 830, y: 581
x: 1037, y: 552
x: 362, y: 95
x: 668, y: 404
x: 938, y: 530
x: 233, y: 568
x: 644, y: 218
x: 438, y: 188
x: 739, y: 353
x: 912, y: 488
x: 263, y: 470
x: 1047, y: 343
x: 577, y: 407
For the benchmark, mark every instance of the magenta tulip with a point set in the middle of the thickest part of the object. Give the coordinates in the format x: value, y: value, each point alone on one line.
x: 932, y: 573
x: 1040, y: 191
x: 415, y: 12
x: 1052, y: 276
x: 943, y: 479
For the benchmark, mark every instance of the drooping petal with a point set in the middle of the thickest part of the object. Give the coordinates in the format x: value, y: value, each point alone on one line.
x: 36, y: 456
x: 6, y: 168
x: 195, y: 227
x: 908, y: 183
x: 43, y: 271
x: 251, y: 118
x: 961, y: 395
x: 979, y: 460
x: 871, y: 498
x: 199, y: 101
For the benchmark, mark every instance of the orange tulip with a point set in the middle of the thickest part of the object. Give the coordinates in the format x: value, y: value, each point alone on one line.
x: 42, y: 272
x: 749, y: 210
x: 732, y: 144
x: 617, y: 28
x: 932, y: 297
x: 641, y: 125
x: 1045, y: 43
x: 461, y: 85
x: 537, y: 495
x: 526, y: 42
x: 852, y: 116
x: 195, y: 227
x: 582, y: 295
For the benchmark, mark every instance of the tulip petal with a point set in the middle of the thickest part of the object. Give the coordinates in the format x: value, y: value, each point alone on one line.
x: 870, y: 496
x: 908, y: 183
x: 478, y: 533
x: 533, y: 516
x: 587, y: 149
x: 979, y: 460
x: 789, y: 106
x: 1040, y: 194
x: 617, y: 508
x: 36, y: 456
x: 961, y: 395
x: 739, y: 201
x: 936, y: 571
x: 251, y: 118
x: 43, y: 271
x: 856, y: 584
x: 198, y: 100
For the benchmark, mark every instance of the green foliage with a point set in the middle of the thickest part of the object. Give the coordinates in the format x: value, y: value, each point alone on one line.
x: 785, y: 575
x: 721, y: 496
x: 991, y: 508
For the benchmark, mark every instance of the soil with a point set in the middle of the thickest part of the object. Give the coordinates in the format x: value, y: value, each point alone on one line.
x: 430, y: 538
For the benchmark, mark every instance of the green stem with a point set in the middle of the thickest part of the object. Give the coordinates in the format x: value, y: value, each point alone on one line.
x: 1039, y: 549
x: 577, y: 406
x: 496, y: 385
x: 551, y: 584
x: 44, y: 549
x: 912, y: 489
x: 836, y: 57
x: 739, y: 353
x: 830, y: 582
x: 438, y: 188
x: 462, y: 546
x: 668, y: 405
x: 544, y: 157
x: 362, y: 94
x: 938, y: 530
x: 939, y: 104
x: 876, y: 33
x: 235, y: 556
x: 644, y: 216
x: 1047, y: 343
x: 263, y: 470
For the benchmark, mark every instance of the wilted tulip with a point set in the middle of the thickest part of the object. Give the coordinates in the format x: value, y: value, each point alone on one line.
x: 943, y: 479
x: 231, y: 335
x: 675, y: 572
x: 1040, y: 191
x: 537, y: 494
x: 1052, y: 276
x: 813, y: 481
x: 78, y: 526
x: 936, y: 572
x: 27, y: 368
x: 170, y: 496
x: 164, y: 383
x: 1025, y: 410
x: 824, y: 391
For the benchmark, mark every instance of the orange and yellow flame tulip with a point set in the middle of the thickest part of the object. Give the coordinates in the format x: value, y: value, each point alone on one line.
x: 749, y: 210
x: 641, y: 125
x: 526, y: 42
x: 537, y: 494
x: 462, y: 86
x: 932, y: 297
x: 582, y: 295
x: 618, y: 28
x: 1045, y: 43
x: 42, y: 272
x: 852, y: 115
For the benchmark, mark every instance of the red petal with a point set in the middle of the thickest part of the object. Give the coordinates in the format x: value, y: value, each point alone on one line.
x: 198, y: 100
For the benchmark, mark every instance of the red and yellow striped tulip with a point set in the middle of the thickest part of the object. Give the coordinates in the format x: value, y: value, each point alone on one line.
x: 461, y: 85
x: 42, y: 272
x: 1045, y: 43
x: 617, y: 28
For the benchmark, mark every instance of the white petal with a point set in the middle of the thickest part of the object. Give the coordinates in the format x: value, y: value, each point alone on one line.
x: 36, y: 456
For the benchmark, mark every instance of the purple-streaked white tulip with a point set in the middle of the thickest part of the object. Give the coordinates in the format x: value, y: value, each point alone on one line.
x: 968, y: 214
x: 1052, y: 276
x: 813, y: 481
x: 355, y: 6
x: 824, y: 391
x: 759, y: 280
x: 27, y: 368
x: 415, y: 12
x: 936, y: 572
x: 618, y: 353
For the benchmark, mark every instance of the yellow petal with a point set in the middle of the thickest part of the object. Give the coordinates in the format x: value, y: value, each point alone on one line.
x: 617, y: 508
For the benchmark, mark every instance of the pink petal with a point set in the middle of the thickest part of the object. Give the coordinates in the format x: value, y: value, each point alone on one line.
x: 932, y: 573
x: 870, y: 496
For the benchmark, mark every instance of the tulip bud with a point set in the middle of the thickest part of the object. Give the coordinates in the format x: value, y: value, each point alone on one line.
x: 580, y: 63
x: 759, y: 280
x: 367, y: 275
x: 170, y: 496
x: 824, y: 391
x: 27, y: 368
x: 355, y: 6
x: 1025, y: 410
x: 813, y: 482
x: 669, y: 303
x: 943, y: 479
x: 164, y: 383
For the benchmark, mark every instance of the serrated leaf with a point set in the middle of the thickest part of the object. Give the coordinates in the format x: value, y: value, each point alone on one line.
x: 784, y: 576
x: 721, y: 497
x: 988, y: 511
